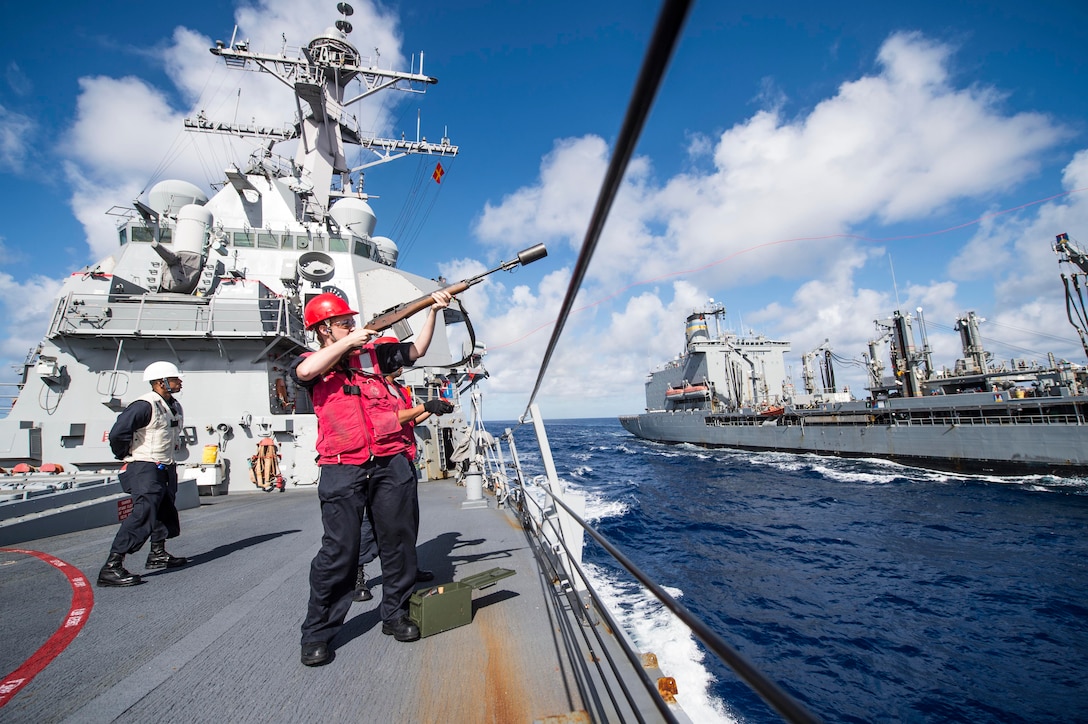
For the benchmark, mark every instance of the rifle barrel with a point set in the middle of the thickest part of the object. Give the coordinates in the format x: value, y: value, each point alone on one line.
x: 403, y: 311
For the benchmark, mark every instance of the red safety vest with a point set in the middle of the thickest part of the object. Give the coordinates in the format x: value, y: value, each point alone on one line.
x: 357, y: 417
x: 404, y: 440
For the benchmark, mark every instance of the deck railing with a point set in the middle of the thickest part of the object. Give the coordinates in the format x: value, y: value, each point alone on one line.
x: 885, y: 419
x: 9, y: 392
x: 550, y: 519
x: 176, y: 315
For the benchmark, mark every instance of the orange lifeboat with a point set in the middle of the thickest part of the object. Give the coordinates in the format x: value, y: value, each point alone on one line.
x: 685, y: 393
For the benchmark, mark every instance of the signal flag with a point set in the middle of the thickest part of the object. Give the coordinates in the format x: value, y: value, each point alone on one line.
x: 439, y: 172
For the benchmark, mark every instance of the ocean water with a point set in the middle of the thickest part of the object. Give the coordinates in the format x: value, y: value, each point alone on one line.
x: 870, y: 591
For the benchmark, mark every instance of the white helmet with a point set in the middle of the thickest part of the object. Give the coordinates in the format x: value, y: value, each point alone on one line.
x: 160, y: 371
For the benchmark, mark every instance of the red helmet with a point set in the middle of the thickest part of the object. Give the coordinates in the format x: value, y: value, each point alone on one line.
x: 324, y: 306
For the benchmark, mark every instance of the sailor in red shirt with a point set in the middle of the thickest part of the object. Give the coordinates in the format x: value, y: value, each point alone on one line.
x: 357, y: 418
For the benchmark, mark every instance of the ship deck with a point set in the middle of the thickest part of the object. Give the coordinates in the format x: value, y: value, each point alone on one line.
x: 219, y: 638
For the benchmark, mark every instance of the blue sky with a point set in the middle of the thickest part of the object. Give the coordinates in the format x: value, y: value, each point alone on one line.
x: 797, y: 154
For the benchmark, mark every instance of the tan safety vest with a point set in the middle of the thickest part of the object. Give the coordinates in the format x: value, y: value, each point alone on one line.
x: 161, y: 439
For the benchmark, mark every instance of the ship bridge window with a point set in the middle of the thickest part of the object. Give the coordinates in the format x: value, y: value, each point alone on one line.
x: 363, y: 249
x: 302, y: 242
x: 267, y: 241
x: 337, y: 244
x: 124, y: 235
x: 243, y: 238
x: 288, y: 242
x: 166, y: 236
x: 141, y: 233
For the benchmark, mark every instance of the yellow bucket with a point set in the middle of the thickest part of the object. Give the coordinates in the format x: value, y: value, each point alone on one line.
x: 211, y: 454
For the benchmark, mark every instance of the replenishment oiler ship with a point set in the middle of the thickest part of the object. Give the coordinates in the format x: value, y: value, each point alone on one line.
x: 980, y: 416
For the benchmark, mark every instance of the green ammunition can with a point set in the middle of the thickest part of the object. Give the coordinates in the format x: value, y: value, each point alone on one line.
x: 444, y: 606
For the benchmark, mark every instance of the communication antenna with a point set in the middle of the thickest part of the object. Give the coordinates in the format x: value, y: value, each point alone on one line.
x: 346, y: 10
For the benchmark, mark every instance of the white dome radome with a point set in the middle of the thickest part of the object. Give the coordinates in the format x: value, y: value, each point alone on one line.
x: 354, y: 216
x: 167, y: 197
x: 387, y: 250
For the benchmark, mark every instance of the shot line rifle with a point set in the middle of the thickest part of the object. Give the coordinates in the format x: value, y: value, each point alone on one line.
x: 402, y: 311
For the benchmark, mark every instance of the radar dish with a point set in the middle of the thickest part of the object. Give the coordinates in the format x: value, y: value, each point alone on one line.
x: 345, y: 10
x: 343, y: 26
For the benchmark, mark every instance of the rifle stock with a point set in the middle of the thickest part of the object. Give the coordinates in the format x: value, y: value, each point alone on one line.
x: 402, y: 311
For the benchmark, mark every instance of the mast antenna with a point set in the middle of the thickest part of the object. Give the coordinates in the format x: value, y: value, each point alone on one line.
x: 343, y: 25
x: 894, y: 285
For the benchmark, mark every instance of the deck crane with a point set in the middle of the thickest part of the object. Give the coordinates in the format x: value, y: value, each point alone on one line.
x: 1074, y: 284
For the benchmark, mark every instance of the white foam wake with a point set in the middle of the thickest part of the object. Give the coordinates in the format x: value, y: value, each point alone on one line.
x: 652, y: 628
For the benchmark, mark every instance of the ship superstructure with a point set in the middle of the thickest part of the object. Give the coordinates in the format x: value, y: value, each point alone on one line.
x: 217, y: 285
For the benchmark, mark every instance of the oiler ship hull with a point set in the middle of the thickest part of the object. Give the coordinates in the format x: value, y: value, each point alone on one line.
x: 979, y: 433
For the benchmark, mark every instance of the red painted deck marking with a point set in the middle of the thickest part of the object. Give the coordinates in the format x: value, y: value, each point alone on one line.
x: 82, y: 603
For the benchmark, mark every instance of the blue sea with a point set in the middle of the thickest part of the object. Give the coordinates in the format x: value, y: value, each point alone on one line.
x: 870, y: 591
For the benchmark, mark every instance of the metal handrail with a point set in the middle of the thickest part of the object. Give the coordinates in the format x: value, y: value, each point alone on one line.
x: 7, y: 401
x: 958, y: 421
x: 781, y: 701
x: 602, y: 610
x: 137, y: 315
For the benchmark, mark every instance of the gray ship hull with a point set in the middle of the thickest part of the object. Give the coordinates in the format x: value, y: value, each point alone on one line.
x: 996, y: 437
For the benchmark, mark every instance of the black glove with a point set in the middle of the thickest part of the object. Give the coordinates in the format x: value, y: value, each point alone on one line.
x: 438, y: 407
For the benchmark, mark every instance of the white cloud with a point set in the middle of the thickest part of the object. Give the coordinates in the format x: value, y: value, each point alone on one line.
x: 17, y: 80
x: 126, y: 132
x: 110, y: 153
x: 895, y: 146
x: 15, y: 134
x: 559, y: 206
x: 27, y: 306
x: 899, y: 145
x: 1029, y: 298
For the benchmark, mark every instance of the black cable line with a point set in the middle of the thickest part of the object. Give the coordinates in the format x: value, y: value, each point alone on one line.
x: 666, y: 34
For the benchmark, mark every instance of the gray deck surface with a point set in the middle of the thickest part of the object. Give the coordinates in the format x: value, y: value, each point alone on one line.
x: 218, y: 640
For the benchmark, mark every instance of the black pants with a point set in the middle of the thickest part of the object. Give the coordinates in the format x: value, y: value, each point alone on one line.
x: 153, y: 489
x: 394, y: 501
x: 388, y: 485
x: 368, y: 544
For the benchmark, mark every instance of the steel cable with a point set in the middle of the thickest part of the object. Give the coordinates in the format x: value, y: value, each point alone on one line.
x: 666, y: 34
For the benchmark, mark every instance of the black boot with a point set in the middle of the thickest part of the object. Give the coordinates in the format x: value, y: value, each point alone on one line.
x: 362, y: 593
x: 159, y: 558
x: 402, y: 629
x: 114, y: 573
